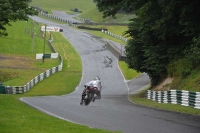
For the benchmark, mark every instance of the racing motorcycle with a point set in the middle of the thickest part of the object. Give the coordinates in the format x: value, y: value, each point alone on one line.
x: 89, y: 95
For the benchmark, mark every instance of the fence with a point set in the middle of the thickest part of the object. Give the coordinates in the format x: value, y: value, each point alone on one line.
x: 71, y: 23
x: 75, y: 24
x: 182, y: 97
x: 114, y: 35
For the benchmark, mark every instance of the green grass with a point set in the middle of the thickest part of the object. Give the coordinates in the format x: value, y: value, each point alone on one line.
x: 127, y: 72
x: 88, y: 8
x: 93, y: 15
x: 65, y: 5
x: 19, y: 49
x: 22, y: 43
x: 68, y: 78
x: 189, y: 81
x: 96, y: 16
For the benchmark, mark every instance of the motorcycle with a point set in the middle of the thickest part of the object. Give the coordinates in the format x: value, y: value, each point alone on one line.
x: 89, y: 95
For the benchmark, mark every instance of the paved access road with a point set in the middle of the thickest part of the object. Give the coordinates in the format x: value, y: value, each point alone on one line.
x: 114, y: 111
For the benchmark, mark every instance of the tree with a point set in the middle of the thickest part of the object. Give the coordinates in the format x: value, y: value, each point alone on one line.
x: 14, y: 10
x: 161, y: 33
x: 111, y: 7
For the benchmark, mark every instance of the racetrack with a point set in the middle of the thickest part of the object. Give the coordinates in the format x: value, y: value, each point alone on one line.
x: 114, y: 111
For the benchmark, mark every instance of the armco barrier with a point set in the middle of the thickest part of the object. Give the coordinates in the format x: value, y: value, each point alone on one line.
x: 40, y: 77
x: 182, y: 97
x: 116, y: 51
x: 113, y: 50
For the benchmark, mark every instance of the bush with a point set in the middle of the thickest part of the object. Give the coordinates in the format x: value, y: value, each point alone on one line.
x: 4, y: 75
x: 193, y: 54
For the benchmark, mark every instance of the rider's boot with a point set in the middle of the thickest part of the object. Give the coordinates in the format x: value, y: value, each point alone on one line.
x: 99, y: 95
x: 93, y: 99
x: 82, y: 99
x: 81, y: 102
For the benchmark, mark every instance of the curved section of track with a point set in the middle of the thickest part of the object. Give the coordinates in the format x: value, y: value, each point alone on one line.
x: 114, y: 111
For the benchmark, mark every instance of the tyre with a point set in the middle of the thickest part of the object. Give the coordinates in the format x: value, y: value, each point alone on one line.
x: 89, y: 98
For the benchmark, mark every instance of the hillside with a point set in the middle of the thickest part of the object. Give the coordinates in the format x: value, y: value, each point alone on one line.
x: 64, y: 5
x: 87, y: 7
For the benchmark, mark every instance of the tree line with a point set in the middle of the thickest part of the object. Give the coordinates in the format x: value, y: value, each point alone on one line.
x: 164, y: 31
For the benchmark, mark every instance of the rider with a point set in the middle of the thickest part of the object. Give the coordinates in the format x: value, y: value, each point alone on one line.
x: 94, y: 83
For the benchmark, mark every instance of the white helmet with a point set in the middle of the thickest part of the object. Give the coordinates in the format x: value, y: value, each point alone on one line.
x: 96, y: 78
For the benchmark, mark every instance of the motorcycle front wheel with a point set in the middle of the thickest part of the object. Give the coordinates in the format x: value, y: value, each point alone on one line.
x: 89, y: 98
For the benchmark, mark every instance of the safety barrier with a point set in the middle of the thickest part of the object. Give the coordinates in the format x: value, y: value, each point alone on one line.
x: 182, y: 97
x: 116, y: 51
x: 71, y: 23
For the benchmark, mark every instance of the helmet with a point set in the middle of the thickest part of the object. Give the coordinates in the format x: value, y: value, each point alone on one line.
x: 96, y: 78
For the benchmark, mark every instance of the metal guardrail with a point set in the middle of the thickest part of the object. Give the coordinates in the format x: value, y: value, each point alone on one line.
x: 182, y: 97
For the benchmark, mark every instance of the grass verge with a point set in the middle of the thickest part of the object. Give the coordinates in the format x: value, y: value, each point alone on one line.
x: 127, y: 72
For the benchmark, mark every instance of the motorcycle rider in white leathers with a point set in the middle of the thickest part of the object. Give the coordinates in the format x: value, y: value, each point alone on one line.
x: 94, y: 83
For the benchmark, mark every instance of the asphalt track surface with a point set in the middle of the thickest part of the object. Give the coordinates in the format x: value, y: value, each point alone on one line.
x: 114, y: 111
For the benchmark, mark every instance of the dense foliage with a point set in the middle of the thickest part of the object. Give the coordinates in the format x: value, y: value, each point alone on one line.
x: 13, y: 10
x: 164, y: 31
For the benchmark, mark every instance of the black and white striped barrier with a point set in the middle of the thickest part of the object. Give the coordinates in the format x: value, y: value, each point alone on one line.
x: 52, y: 56
x: 29, y: 85
x: 182, y: 97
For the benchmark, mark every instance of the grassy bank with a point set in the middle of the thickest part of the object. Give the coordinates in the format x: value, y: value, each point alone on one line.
x: 88, y: 8
x: 84, y: 6
x: 127, y: 72
x: 18, y: 53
